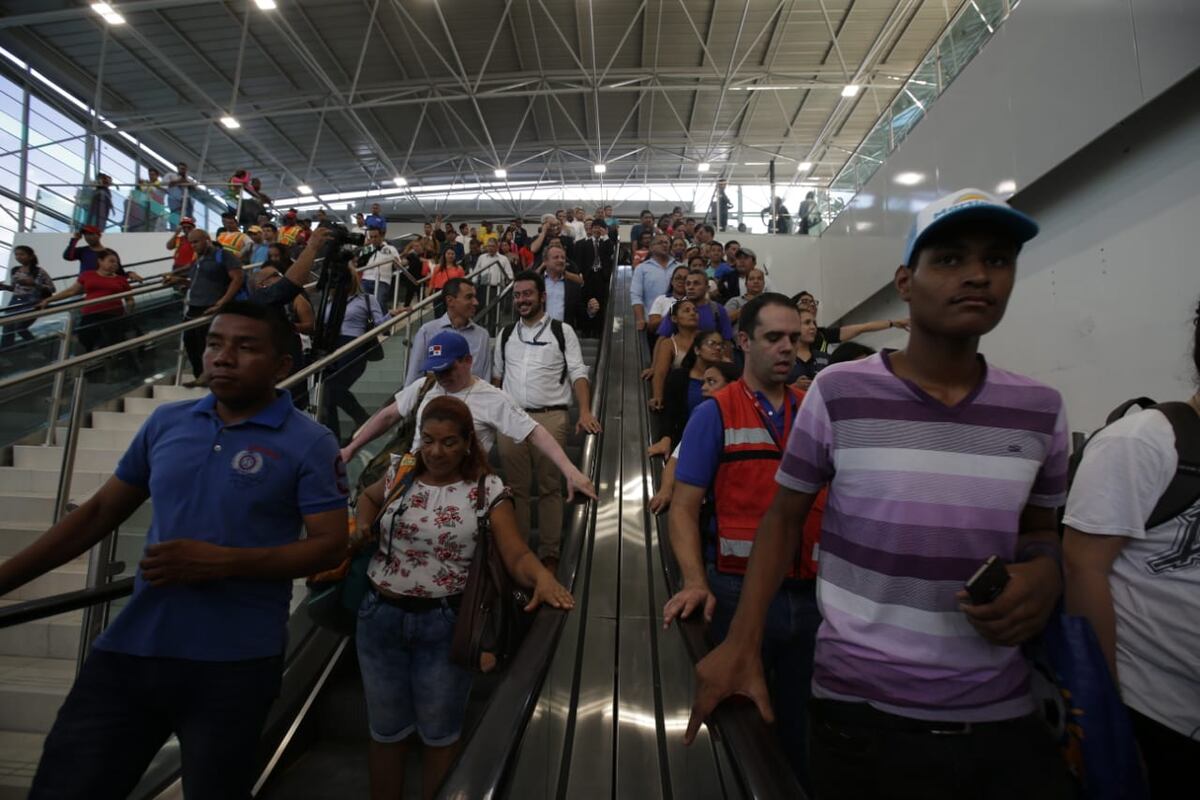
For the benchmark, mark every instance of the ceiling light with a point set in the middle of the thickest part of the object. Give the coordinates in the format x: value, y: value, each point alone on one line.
x: 230, y: 122
x: 109, y: 13
x: 850, y: 90
x: 599, y: 169
x: 304, y: 188
x: 909, y: 178
x: 1006, y: 187
x: 703, y: 166
x: 501, y: 174
x: 756, y: 163
x: 804, y: 166
x: 400, y: 181
x: 265, y: 5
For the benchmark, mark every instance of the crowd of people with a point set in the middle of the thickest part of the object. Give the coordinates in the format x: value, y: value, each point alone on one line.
x: 827, y: 504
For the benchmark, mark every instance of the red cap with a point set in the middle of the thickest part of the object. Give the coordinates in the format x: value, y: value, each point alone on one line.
x: 188, y: 221
x: 90, y: 229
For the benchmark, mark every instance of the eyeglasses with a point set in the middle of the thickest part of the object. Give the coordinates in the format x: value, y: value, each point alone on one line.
x: 711, y: 343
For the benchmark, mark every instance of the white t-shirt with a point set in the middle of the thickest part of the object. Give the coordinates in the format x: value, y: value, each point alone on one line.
x: 492, y: 409
x: 1155, y: 581
x: 427, y: 537
x: 381, y: 262
x: 662, y: 305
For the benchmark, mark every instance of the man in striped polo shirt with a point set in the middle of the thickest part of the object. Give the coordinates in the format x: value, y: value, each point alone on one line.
x: 935, y: 461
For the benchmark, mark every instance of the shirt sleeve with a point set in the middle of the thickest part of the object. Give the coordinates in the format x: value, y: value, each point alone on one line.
x: 832, y: 335
x: 700, y: 447
x: 1125, y: 470
x: 416, y: 355
x: 807, y: 463
x: 134, y: 466
x: 406, y: 398
x: 1050, y: 486
x: 666, y: 327
x: 485, y: 355
x: 322, y: 484
x: 509, y: 418
x: 637, y: 290
x: 575, y: 366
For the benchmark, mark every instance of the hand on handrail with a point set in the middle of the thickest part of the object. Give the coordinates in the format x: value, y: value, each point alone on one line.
x: 732, y: 668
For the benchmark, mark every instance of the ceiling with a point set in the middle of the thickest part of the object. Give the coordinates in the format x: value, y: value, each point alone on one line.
x: 344, y: 95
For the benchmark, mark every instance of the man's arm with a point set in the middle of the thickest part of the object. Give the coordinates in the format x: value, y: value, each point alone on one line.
x: 236, y: 278
x: 416, y: 355
x: 1088, y: 560
x: 74, y: 534
x: 583, y: 398
x: 189, y: 561
x: 1035, y: 583
x: 849, y: 332
x: 69, y: 254
x: 684, y: 527
x: 576, y: 480
x: 382, y: 421
x: 735, y: 666
x: 638, y: 299
x: 300, y: 271
x: 306, y: 320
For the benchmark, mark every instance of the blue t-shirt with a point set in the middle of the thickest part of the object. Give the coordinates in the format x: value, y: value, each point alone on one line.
x: 246, y: 485
x: 723, y: 269
x: 712, y: 317
x: 375, y: 221
x: 695, y: 394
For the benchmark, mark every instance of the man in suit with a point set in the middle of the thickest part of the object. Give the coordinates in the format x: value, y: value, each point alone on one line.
x: 733, y: 284
x: 594, y: 257
x: 567, y: 298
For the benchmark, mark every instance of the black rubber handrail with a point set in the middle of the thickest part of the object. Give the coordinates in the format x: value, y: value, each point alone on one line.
x: 487, y: 755
x: 43, y: 607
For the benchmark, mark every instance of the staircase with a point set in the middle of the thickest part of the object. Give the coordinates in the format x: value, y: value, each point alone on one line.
x: 37, y: 659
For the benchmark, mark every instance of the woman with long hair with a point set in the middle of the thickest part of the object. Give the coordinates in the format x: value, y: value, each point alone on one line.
x: 676, y: 291
x: 670, y: 351
x: 684, y: 388
x: 427, y: 536
x: 29, y: 284
x: 446, y: 269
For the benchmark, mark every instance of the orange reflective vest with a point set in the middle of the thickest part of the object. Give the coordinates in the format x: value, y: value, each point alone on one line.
x: 745, y: 482
x: 233, y: 241
x: 289, y: 234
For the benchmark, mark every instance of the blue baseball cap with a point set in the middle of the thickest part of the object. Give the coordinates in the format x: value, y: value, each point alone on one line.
x: 967, y: 204
x: 443, y: 350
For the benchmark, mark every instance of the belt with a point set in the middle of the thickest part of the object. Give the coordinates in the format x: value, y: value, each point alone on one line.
x: 545, y: 409
x: 419, y: 604
x: 838, y: 711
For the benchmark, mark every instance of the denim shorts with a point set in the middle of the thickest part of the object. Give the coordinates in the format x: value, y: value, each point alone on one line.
x: 409, y: 682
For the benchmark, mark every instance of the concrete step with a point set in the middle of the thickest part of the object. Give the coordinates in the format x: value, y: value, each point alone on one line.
x: 118, y: 420
x: 32, y: 690
x: 144, y: 405
x: 95, y: 439
x: 87, y: 459
x: 18, y: 480
x: 173, y: 393
x: 19, y: 755
x: 54, y: 637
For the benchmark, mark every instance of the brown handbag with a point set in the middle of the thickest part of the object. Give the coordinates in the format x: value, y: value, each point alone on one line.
x: 492, y: 620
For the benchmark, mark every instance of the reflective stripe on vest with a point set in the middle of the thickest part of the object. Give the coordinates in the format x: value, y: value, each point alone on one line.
x: 233, y: 241
x: 741, y: 436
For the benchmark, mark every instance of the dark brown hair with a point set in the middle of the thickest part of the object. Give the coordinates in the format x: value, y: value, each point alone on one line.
x: 455, y: 411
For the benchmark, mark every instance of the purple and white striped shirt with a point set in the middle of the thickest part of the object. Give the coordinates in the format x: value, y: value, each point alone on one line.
x: 920, y: 495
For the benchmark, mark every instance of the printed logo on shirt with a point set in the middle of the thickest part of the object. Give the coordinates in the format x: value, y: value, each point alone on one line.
x: 1184, y: 552
x: 248, y: 467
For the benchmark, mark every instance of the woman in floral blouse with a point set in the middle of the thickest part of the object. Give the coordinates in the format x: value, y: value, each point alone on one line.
x: 406, y: 623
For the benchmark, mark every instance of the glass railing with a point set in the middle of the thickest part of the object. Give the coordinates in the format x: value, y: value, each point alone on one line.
x: 134, y: 208
x: 965, y: 36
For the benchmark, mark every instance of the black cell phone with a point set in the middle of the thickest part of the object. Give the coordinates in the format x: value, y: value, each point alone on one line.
x: 988, y: 581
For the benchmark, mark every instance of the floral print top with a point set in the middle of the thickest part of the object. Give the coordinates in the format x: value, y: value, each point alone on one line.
x: 427, y: 538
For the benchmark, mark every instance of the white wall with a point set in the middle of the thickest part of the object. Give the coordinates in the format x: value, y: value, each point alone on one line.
x: 1103, y: 305
x: 132, y: 247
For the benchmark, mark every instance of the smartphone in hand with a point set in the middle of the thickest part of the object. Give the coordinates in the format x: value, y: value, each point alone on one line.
x: 988, y: 581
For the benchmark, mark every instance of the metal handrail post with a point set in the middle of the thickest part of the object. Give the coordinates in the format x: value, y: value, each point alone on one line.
x: 64, y: 352
x: 100, y: 572
x: 70, y: 446
x: 179, y: 359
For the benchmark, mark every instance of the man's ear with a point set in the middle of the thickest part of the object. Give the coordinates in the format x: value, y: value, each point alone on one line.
x: 285, y: 367
x: 903, y: 282
x: 743, y: 340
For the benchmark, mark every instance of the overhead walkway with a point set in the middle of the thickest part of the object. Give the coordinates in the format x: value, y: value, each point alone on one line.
x: 594, y: 705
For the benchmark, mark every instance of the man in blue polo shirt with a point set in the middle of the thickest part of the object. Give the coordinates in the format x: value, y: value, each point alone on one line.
x: 713, y: 316
x: 198, y: 651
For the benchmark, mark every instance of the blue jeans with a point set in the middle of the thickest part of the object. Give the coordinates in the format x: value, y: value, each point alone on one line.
x: 122, y: 708
x: 787, y: 653
x: 408, y: 680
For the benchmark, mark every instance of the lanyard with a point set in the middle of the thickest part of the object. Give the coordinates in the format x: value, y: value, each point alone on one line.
x: 766, y: 416
x: 537, y: 336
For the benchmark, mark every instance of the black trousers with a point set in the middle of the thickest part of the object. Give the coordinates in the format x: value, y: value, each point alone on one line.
x: 122, y: 708
x: 339, y: 379
x: 194, y: 340
x: 1169, y: 756
x: 857, y: 752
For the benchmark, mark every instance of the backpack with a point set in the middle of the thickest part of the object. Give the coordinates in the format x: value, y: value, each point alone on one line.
x: 1184, y: 489
x: 400, y: 441
x: 556, y: 328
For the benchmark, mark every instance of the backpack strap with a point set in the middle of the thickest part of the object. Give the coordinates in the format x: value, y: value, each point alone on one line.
x: 505, y: 334
x: 1123, y: 409
x: 556, y: 328
x: 1184, y: 489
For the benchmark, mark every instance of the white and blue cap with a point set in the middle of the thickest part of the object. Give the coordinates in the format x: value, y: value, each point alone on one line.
x: 443, y: 350
x: 973, y: 205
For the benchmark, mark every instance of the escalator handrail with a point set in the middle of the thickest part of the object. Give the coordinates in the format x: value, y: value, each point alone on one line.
x: 43, y: 607
x: 103, y: 353
x: 752, y: 749
x: 488, y: 753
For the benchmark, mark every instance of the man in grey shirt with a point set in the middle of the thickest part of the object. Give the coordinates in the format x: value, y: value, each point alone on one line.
x: 214, y: 279
x: 461, y: 305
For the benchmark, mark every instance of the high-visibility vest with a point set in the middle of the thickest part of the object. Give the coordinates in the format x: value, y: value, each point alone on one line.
x: 745, y: 481
x: 288, y: 234
x: 233, y: 241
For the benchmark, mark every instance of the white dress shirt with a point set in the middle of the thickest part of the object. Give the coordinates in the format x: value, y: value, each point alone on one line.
x: 380, y: 264
x: 532, y: 365
x: 500, y: 273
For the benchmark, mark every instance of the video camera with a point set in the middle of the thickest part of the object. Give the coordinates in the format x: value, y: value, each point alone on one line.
x: 333, y: 286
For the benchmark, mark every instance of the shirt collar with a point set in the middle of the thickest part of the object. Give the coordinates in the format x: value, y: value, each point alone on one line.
x: 550, y: 278
x: 273, y: 416
x: 444, y: 319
